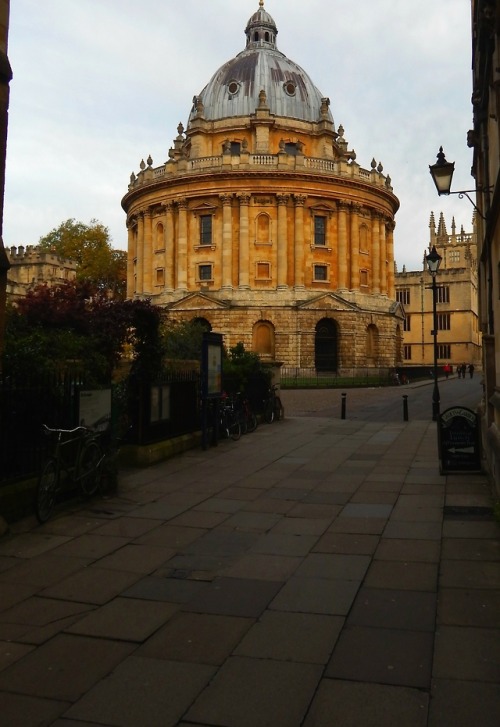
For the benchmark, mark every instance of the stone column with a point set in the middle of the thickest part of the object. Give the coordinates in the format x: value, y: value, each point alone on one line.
x: 299, y: 201
x: 139, y: 269
x: 169, y: 248
x: 244, y: 256
x: 383, y: 257
x: 181, y: 282
x: 342, y: 246
x: 227, y: 242
x: 131, y: 258
x: 355, y: 210
x: 148, y: 251
x: 282, y: 274
x: 376, y: 253
x: 391, y: 290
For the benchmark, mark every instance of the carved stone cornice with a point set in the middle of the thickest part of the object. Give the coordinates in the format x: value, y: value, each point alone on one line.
x: 226, y: 199
x: 282, y: 199
x: 299, y: 200
x: 244, y: 198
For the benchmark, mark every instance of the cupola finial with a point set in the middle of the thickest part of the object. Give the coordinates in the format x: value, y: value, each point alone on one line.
x: 261, y: 3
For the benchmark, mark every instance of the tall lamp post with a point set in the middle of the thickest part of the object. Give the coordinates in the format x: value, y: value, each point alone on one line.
x: 433, y: 262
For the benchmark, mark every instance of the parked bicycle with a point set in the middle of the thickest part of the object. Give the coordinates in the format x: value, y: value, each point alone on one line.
x: 273, y: 408
x: 248, y: 420
x: 230, y: 426
x: 76, y: 458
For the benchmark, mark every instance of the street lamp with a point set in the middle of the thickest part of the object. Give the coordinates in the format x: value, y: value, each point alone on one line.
x: 433, y: 262
x: 442, y: 174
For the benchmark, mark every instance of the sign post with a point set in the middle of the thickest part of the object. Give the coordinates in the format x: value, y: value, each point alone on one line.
x: 459, y: 441
x: 211, y: 382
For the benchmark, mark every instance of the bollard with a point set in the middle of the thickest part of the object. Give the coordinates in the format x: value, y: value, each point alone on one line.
x: 405, y: 407
x: 344, y: 397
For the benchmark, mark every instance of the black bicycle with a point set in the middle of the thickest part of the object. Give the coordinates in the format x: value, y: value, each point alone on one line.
x: 76, y: 458
x: 230, y: 425
x: 248, y: 420
x: 273, y: 408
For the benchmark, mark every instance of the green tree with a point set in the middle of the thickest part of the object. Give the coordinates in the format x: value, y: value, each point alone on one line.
x: 183, y: 341
x: 90, y: 246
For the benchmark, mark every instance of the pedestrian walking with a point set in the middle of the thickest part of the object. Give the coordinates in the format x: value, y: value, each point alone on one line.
x: 464, y: 370
x: 471, y: 370
x: 447, y: 370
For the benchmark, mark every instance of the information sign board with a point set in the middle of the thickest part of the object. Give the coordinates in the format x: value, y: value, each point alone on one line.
x: 459, y: 441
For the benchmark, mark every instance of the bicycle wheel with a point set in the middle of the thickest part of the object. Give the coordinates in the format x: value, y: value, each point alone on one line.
x: 279, y: 409
x: 234, y: 427
x: 89, y: 467
x: 269, y: 412
x: 46, y: 491
x: 251, y: 421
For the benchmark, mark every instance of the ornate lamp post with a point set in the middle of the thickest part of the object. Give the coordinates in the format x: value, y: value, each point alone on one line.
x: 433, y: 262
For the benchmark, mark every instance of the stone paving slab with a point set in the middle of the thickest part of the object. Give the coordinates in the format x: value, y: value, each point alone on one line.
x: 383, y: 656
x: 467, y: 653
x: 248, y: 692
x: 43, y: 570
x: 21, y: 711
x: 91, y: 585
x: 316, y: 595
x: 64, y: 668
x: 299, y: 637
x: 397, y: 609
x: 244, y: 597
x: 352, y: 704
x: 394, y: 549
x: 469, y: 607
x: 142, y: 691
x: 462, y: 704
x: 410, y: 575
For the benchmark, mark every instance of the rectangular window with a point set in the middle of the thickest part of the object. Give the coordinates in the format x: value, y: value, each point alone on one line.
x: 407, y: 353
x: 204, y: 272
x: 319, y: 230
x: 444, y: 350
x: 160, y: 276
x: 263, y: 271
x: 443, y: 322
x: 363, y: 278
x: 407, y: 324
x: 320, y: 273
x: 443, y: 294
x: 403, y: 296
x: 206, y: 230
x: 454, y: 256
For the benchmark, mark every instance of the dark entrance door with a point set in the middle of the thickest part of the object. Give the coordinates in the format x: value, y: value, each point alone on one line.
x: 326, y: 345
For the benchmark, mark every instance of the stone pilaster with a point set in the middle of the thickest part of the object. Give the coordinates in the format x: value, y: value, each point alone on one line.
x: 376, y: 221
x: 244, y: 254
x: 227, y: 241
x: 355, y: 210
x: 391, y: 289
x: 148, y: 251
x: 282, y: 275
x: 131, y: 257
x: 140, y: 253
x: 383, y: 257
x: 343, y: 208
x: 299, y: 201
x: 181, y: 282
x: 169, y: 248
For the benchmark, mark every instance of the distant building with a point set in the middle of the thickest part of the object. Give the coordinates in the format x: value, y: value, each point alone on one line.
x: 262, y: 224
x: 29, y: 266
x: 459, y: 337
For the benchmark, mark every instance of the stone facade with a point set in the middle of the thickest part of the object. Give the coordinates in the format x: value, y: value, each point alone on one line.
x: 29, y: 266
x: 263, y: 224
x: 459, y: 337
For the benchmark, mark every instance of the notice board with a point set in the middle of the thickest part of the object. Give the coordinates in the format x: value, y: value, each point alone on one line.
x: 459, y: 441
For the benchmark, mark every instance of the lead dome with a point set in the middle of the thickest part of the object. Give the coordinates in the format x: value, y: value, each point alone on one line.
x: 235, y: 88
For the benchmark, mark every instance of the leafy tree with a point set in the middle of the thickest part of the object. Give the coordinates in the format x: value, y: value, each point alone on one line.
x: 90, y: 245
x: 183, y: 341
x: 76, y: 323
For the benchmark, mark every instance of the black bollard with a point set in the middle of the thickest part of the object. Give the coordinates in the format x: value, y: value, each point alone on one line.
x: 344, y: 397
x: 405, y: 407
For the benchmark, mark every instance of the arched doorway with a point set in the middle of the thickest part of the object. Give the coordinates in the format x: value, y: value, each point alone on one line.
x: 326, y: 345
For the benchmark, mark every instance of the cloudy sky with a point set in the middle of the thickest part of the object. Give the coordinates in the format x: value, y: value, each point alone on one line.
x: 100, y: 84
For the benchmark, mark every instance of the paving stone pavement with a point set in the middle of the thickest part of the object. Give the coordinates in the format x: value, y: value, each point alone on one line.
x: 312, y: 574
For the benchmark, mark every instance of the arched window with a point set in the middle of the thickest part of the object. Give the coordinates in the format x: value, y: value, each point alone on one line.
x: 203, y: 323
x: 263, y: 229
x: 263, y: 339
x: 159, y: 238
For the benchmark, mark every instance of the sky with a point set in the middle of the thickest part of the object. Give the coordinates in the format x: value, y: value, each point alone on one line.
x: 100, y: 84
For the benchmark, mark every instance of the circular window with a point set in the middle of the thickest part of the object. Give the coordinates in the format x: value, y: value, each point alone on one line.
x: 290, y: 88
x: 233, y: 87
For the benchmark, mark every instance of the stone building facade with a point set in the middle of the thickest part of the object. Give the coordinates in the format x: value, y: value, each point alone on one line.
x: 262, y: 223
x: 29, y: 266
x: 459, y: 336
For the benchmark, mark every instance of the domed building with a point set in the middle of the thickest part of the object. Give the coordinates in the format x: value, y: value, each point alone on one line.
x: 262, y: 223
